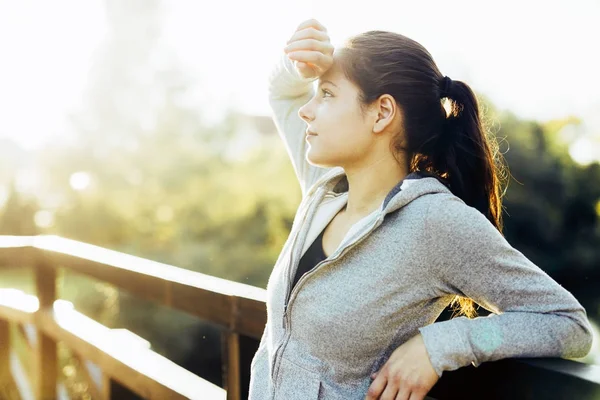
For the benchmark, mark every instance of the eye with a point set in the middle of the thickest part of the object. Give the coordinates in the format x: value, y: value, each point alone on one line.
x: 324, y: 91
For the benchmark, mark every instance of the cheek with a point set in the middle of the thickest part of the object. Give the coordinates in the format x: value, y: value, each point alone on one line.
x: 353, y: 125
x: 341, y: 114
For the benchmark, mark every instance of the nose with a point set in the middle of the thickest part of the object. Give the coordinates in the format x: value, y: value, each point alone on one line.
x: 305, y: 112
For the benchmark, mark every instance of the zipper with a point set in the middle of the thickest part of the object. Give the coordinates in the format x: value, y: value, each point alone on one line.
x: 338, y: 254
x: 298, y: 232
x: 298, y: 251
x: 287, y: 289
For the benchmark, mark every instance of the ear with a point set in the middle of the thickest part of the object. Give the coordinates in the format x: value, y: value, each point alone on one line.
x: 385, y: 111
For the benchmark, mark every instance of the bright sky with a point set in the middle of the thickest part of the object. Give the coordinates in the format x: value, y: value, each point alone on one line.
x: 538, y: 58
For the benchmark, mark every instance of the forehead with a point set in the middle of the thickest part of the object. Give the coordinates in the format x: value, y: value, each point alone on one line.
x: 334, y: 74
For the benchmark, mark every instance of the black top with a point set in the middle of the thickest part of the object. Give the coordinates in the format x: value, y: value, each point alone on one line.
x: 314, y: 255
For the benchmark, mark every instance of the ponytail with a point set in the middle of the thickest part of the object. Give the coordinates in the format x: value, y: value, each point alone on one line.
x: 466, y: 159
x: 463, y: 155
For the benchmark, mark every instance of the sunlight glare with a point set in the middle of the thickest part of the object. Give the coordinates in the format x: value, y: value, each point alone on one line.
x: 585, y: 151
x: 80, y: 181
x: 19, y: 300
x: 44, y: 219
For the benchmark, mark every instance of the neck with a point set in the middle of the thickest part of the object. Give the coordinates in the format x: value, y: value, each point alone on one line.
x: 368, y: 185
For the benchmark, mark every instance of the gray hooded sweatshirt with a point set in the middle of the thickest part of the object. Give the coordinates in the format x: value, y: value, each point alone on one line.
x: 390, y: 279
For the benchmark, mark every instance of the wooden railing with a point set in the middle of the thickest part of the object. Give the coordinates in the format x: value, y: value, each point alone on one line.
x: 44, y: 320
x: 237, y: 308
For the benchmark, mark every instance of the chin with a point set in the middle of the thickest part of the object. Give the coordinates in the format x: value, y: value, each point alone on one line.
x: 321, y: 159
x: 321, y: 162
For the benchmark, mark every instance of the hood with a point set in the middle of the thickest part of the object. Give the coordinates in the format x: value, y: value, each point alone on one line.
x: 413, y: 186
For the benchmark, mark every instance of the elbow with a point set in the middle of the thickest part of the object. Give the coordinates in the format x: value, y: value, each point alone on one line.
x: 582, y: 345
x: 585, y: 343
x: 580, y: 338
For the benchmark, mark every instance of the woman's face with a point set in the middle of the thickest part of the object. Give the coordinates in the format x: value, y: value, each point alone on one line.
x: 343, y: 136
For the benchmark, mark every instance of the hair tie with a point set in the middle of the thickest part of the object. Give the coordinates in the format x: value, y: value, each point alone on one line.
x: 445, y: 85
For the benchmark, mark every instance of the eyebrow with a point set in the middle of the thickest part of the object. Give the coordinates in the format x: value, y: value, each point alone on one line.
x: 326, y: 81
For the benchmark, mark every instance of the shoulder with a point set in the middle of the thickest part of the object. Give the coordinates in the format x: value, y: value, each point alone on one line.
x: 450, y: 220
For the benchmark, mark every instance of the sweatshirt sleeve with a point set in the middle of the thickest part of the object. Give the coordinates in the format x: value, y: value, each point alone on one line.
x: 532, y: 315
x: 287, y: 93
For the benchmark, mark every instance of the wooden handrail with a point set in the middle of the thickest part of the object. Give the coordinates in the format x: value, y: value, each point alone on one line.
x: 165, y: 284
x: 238, y: 308
x: 145, y: 372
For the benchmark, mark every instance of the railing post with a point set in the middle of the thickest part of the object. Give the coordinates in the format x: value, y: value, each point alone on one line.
x: 46, y: 365
x: 230, y: 350
x: 8, y: 388
x: 106, y: 391
x: 231, y: 364
x: 4, y: 350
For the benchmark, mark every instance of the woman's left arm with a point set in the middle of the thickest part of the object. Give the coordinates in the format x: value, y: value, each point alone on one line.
x: 533, y: 316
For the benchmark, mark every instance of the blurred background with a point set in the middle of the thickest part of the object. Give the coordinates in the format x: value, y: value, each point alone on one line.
x: 143, y: 126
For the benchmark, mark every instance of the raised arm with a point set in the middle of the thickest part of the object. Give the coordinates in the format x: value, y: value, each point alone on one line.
x: 307, y: 56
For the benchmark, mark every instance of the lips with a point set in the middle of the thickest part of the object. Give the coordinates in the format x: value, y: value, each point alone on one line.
x: 310, y: 133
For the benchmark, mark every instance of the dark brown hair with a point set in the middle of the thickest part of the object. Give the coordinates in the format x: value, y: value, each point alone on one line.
x: 451, y: 144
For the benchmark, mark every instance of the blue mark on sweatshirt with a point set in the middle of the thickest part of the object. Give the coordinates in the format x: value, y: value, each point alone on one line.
x: 487, y: 337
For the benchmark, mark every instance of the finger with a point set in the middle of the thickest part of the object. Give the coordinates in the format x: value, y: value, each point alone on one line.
x: 417, y: 396
x: 309, y: 44
x: 309, y: 33
x: 390, y: 392
x: 311, y: 23
x: 418, y: 393
x: 376, y: 388
x: 403, y: 394
x: 313, y: 57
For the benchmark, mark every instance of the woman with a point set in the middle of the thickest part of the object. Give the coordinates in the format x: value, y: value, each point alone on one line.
x: 400, y: 216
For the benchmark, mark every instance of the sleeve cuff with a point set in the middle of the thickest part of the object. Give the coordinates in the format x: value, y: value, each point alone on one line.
x: 285, y: 79
x: 445, y: 346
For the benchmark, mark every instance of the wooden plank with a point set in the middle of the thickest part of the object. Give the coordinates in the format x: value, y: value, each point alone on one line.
x: 102, y: 380
x: 16, y: 306
x: 4, y: 348
x: 251, y: 318
x: 106, y: 387
x: 140, y: 369
x: 27, y: 332
x: 230, y: 364
x: 21, y: 378
x: 46, y: 360
x: 7, y: 386
x: 209, y: 305
x: 95, y: 383
x: 212, y: 306
x: 143, y: 371
x: 24, y: 376
x: 201, y: 295
x: 147, y: 267
x: 191, y: 295
x: 17, y: 257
